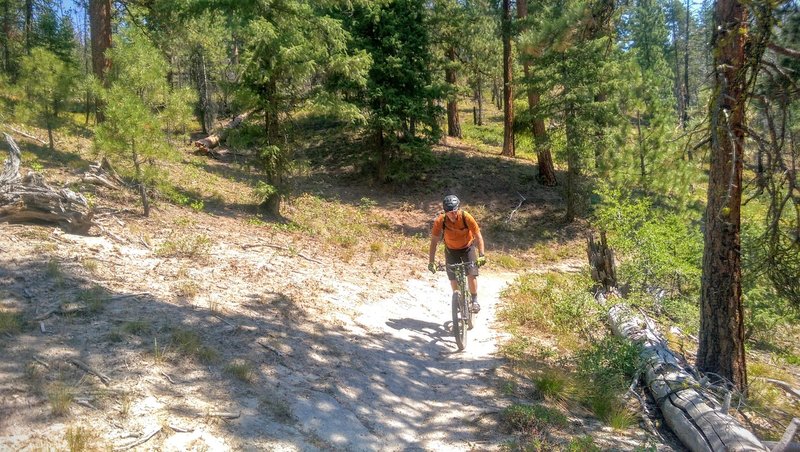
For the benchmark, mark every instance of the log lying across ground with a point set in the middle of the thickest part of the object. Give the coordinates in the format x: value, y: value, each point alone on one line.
x: 210, y: 142
x: 699, y: 421
x: 30, y: 198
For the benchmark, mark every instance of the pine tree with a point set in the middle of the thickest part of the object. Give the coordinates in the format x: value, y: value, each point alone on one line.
x: 46, y: 83
x: 399, y: 94
x: 139, y: 103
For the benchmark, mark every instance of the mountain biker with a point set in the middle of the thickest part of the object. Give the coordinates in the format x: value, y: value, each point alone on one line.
x: 461, y: 235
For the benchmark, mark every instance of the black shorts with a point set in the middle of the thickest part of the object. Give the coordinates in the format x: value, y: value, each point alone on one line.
x: 468, y: 254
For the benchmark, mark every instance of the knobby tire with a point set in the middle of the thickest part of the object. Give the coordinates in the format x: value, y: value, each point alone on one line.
x: 459, y: 320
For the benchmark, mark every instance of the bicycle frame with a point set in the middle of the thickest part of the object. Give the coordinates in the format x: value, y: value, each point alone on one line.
x: 462, y: 315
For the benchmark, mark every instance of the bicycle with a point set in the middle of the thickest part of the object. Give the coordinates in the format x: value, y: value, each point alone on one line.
x: 462, y: 314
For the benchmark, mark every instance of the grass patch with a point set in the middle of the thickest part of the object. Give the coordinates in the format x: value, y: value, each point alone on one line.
x: 80, y: 439
x: 94, y: 298
x: 190, y: 344
x: 10, y: 322
x: 582, y: 444
x: 60, y: 396
x: 241, y: 370
x: 90, y: 265
x: 554, y: 303
x: 507, y: 261
x: 187, y: 289
x: 136, y: 327
x: 192, y: 247
x: 53, y: 270
x: 278, y: 408
x: 524, y: 418
x: 553, y: 385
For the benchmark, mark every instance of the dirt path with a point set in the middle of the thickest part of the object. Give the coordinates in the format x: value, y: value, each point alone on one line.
x: 404, y: 385
x: 339, y: 358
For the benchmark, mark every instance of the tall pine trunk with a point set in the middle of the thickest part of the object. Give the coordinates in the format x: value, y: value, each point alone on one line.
x: 100, y: 25
x: 7, y: 32
x: 721, y: 349
x: 547, y: 174
x: 685, y: 118
x: 508, y: 95
x: 274, y: 176
x: 453, y: 123
x: 28, y: 26
x: 572, y: 162
x: 139, y: 179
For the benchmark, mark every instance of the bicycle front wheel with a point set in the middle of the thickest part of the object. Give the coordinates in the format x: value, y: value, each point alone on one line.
x: 459, y: 321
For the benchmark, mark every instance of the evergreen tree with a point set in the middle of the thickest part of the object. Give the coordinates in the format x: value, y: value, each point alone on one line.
x: 399, y: 95
x: 55, y: 33
x: 138, y: 105
x: 46, y: 83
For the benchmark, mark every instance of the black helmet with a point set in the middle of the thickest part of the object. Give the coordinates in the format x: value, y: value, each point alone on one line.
x: 450, y: 203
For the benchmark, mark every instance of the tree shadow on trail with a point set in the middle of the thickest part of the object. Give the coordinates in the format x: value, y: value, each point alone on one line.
x: 292, y: 378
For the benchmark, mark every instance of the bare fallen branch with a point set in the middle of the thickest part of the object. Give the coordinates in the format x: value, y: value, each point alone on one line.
x: 139, y: 441
x: 167, y: 377
x: 781, y: 384
x: 284, y: 248
x: 26, y: 135
x: 224, y: 414
x: 785, y: 444
x: 521, y: 200
x: 85, y: 367
x: 180, y: 429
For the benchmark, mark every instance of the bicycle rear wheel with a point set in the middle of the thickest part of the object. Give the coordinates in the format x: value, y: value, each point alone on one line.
x: 459, y: 320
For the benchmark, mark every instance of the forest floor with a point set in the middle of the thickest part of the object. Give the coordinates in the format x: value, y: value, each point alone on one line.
x: 218, y: 330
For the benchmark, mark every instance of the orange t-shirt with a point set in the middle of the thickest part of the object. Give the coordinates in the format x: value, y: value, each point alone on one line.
x: 456, y: 236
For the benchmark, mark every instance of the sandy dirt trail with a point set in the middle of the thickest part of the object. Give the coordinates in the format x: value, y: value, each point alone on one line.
x: 407, y: 386
x: 402, y: 384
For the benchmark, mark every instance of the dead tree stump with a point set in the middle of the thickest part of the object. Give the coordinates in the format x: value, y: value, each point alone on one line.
x: 29, y: 198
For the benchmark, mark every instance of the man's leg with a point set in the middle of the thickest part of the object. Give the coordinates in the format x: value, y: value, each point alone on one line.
x: 454, y: 284
x: 472, y: 281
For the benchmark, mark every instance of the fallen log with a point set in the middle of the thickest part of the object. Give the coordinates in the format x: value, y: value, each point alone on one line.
x: 697, y: 419
x: 208, y: 143
x: 30, y: 198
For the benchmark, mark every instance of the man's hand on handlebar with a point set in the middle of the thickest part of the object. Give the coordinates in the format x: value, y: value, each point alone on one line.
x: 481, y: 260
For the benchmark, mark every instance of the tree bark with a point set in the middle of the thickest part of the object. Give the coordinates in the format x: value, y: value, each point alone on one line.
x: 572, y: 163
x: 100, y: 25
x: 508, y: 95
x: 479, y: 100
x: 451, y: 77
x: 685, y: 116
x: 6, y: 36
x: 721, y: 350
x: 28, y: 25
x: 547, y: 173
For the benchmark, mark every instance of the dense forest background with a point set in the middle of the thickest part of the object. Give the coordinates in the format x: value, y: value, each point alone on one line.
x: 667, y: 124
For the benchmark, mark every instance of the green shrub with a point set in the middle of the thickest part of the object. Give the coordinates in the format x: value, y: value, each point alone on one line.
x: 657, y: 248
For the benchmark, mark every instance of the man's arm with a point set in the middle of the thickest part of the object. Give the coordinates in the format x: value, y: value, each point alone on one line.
x: 479, y: 238
x: 432, y: 250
